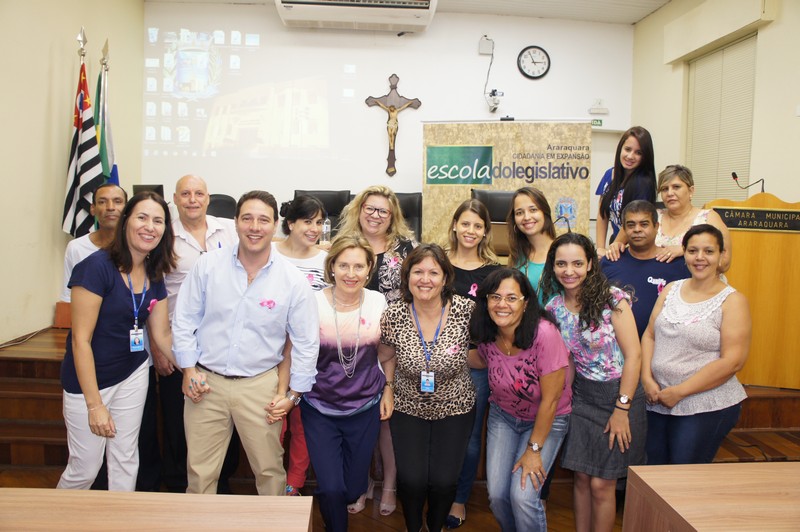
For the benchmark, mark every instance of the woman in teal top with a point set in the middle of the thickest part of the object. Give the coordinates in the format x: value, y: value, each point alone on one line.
x: 530, y: 233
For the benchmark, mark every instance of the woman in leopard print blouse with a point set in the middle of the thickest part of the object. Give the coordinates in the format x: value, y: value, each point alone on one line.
x: 434, y: 397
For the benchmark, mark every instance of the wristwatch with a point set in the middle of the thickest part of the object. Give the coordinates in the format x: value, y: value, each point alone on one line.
x: 624, y: 399
x: 294, y: 398
x: 535, y: 447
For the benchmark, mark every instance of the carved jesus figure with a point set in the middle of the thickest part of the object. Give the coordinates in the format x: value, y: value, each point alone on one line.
x: 392, y: 103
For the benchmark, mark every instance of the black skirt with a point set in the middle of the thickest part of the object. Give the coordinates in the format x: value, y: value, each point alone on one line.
x: 586, y: 447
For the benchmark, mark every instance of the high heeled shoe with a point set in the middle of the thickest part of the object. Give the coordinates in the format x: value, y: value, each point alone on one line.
x: 361, y: 503
x: 387, y: 507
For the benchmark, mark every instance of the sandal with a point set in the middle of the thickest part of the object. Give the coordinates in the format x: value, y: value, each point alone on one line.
x: 387, y: 508
x: 361, y: 503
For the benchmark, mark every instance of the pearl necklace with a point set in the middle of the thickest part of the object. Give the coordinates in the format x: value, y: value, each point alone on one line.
x: 347, y: 361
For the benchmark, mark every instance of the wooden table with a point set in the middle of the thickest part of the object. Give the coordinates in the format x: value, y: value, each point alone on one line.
x: 729, y: 497
x: 52, y: 509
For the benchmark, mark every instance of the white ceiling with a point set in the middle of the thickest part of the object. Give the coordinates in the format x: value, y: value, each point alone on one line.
x: 609, y: 11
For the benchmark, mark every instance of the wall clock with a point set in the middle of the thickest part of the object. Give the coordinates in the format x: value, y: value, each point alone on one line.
x: 533, y: 62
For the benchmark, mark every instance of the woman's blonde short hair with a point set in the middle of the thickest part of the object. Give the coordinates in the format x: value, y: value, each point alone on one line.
x: 342, y: 243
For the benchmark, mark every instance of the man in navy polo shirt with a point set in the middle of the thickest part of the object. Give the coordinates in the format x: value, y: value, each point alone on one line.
x: 638, y: 267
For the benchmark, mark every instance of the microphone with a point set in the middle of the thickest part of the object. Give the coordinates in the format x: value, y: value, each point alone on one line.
x: 736, y: 180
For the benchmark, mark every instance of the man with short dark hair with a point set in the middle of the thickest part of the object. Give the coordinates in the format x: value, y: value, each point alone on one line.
x: 234, y: 314
x: 638, y: 266
x: 108, y: 201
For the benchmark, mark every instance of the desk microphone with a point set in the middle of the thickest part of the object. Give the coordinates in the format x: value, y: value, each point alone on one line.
x: 736, y: 180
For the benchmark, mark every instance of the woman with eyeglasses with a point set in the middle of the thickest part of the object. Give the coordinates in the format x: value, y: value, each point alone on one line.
x: 375, y: 214
x: 531, y: 400
x: 470, y: 252
x: 607, y: 426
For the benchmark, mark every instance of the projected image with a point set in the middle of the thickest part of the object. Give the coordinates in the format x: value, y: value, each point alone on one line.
x: 217, y: 92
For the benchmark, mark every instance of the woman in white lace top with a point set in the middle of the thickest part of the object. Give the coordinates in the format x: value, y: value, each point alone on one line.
x: 697, y: 339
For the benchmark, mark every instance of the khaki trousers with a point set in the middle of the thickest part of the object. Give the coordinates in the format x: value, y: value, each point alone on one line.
x: 209, y: 425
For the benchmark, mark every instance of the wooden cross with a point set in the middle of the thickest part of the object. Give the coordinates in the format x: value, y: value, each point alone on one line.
x: 392, y: 103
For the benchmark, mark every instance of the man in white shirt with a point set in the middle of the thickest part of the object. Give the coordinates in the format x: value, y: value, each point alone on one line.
x: 107, y: 204
x: 196, y: 233
x: 234, y: 313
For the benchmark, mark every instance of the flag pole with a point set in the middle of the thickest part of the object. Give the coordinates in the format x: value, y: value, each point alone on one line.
x: 82, y: 42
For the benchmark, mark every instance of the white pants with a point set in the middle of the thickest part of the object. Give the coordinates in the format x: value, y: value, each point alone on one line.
x: 125, y: 403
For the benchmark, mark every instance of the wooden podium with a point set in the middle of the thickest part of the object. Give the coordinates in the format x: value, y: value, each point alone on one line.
x: 765, y: 235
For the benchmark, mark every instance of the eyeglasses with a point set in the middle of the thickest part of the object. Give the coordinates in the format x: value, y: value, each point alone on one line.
x: 497, y: 298
x: 369, y: 210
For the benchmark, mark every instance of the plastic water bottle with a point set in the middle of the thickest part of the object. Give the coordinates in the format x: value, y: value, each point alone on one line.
x: 326, y: 232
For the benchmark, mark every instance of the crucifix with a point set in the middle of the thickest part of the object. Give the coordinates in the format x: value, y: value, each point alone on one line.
x: 392, y: 103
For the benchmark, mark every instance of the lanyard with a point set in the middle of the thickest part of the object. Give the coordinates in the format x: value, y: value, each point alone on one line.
x: 422, y: 338
x: 133, y: 298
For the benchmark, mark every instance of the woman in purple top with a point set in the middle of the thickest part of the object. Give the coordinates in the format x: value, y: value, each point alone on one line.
x: 342, y: 412
x: 530, y: 397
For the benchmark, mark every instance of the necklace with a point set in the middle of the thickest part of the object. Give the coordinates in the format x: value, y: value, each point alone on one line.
x: 508, y: 347
x: 348, y: 361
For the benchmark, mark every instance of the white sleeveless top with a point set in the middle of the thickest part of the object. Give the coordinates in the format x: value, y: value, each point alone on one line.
x: 687, y: 338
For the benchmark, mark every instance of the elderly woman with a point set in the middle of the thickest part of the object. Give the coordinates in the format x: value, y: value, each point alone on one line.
x: 531, y: 397
x: 676, y: 186
x: 697, y: 339
x: 115, y: 292
x: 343, y: 411
x: 375, y: 214
x: 434, y: 397
x: 607, y: 426
x: 473, y: 259
x: 633, y: 177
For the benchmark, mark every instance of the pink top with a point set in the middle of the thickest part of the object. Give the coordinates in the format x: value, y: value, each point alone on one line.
x: 514, y: 379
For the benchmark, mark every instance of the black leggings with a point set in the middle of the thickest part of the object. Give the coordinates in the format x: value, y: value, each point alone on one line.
x: 429, y: 455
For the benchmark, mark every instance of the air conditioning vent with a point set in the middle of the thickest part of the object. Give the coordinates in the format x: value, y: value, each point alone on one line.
x: 369, y: 15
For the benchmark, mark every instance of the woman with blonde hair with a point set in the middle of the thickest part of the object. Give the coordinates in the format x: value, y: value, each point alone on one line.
x: 343, y: 411
x: 375, y: 214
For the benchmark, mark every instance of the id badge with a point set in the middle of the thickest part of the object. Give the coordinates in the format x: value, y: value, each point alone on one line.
x: 137, y: 340
x: 426, y: 383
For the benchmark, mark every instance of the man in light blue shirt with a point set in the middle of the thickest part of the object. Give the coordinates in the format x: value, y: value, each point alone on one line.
x: 234, y: 314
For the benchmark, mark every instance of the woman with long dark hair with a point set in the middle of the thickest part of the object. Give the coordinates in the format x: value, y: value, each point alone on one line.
x: 634, y: 177
x: 470, y: 252
x: 530, y: 232
x: 528, y: 366
x: 115, y: 292
x: 607, y: 426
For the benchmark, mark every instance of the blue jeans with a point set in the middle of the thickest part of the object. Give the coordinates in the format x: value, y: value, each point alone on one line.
x: 480, y: 379
x: 688, y: 439
x: 507, y: 440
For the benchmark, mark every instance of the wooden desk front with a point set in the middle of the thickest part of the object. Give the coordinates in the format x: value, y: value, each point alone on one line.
x: 729, y: 497
x: 51, y: 509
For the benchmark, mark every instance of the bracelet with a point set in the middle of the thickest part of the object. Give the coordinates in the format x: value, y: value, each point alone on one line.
x: 623, y: 409
x: 95, y: 407
x: 390, y: 384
